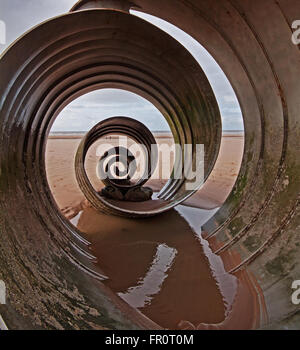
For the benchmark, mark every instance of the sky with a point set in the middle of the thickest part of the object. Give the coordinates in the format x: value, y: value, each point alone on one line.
x: 18, y: 16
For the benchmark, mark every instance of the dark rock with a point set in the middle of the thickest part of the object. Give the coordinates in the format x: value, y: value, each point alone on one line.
x: 112, y: 193
x: 138, y: 194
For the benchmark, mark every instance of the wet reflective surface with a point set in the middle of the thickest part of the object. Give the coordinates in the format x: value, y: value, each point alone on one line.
x: 160, y: 265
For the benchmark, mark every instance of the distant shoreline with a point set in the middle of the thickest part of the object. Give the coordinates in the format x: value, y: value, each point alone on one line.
x: 157, y: 134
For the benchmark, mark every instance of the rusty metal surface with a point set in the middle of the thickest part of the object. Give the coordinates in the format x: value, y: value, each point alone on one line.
x: 259, y: 223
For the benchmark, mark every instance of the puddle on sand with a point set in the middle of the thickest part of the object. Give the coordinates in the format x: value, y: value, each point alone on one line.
x: 159, y: 265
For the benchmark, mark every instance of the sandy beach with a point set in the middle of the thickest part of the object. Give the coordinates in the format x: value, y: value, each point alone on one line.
x: 60, y: 153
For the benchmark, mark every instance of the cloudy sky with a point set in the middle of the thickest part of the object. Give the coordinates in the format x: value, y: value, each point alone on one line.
x: 83, y: 113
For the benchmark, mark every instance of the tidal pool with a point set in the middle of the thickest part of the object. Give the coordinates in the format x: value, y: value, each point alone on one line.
x: 161, y: 265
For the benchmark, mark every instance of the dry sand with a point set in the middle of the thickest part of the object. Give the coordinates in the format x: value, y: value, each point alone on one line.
x: 61, y: 151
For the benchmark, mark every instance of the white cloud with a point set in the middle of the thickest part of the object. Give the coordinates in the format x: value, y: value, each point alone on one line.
x: 86, y: 111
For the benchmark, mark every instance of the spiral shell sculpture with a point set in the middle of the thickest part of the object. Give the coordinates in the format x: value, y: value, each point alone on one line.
x: 46, y: 264
x: 118, y: 183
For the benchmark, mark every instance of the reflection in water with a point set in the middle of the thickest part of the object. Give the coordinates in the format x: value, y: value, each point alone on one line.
x: 141, y: 295
x: 157, y: 265
x: 227, y: 283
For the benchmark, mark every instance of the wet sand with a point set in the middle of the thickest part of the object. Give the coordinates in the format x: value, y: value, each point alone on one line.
x: 61, y: 151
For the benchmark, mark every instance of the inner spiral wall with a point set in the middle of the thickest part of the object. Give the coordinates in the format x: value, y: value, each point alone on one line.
x: 121, y: 126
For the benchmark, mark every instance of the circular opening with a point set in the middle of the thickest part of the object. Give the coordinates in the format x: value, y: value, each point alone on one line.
x: 80, y: 116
